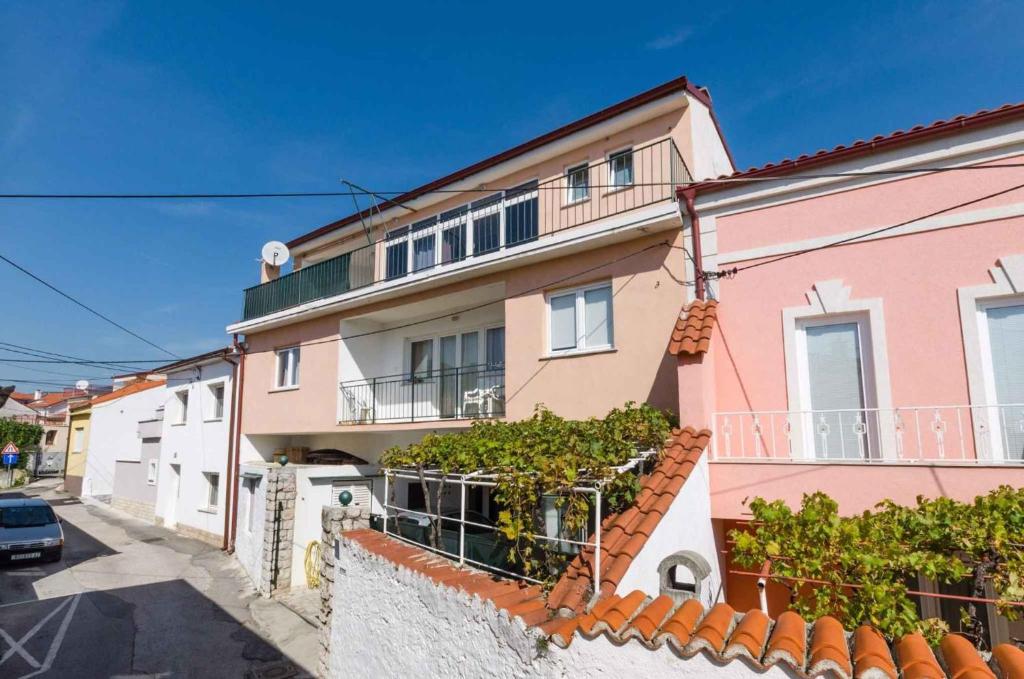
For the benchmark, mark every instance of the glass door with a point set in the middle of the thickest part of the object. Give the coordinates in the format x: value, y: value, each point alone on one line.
x: 469, y: 371
x: 449, y: 382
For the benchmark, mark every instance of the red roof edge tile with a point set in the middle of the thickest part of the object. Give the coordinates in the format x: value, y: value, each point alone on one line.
x: 692, y: 333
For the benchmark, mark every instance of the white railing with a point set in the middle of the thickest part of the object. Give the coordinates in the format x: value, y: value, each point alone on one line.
x: 981, y: 434
x: 455, y: 546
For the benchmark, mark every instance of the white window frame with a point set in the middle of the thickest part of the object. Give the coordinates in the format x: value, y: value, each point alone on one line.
x: 79, y: 442
x: 207, y: 507
x: 621, y: 151
x: 152, y: 468
x: 289, y: 380
x: 570, y: 170
x: 1007, y: 288
x: 212, y: 416
x: 435, y: 356
x: 830, y: 302
x: 181, y: 407
x: 581, y: 346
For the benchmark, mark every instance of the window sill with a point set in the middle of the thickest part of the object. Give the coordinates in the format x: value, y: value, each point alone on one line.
x: 580, y: 352
x: 178, y: 424
x: 207, y: 510
x: 618, y: 189
x: 575, y: 203
x: 214, y: 419
x: 293, y: 387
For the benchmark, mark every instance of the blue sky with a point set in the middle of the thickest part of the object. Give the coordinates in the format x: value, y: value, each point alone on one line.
x: 238, y: 97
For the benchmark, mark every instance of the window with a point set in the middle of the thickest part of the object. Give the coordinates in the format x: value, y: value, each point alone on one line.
x: 217, y: 401
x: 151, y: 472
x: 79, y: 440
x: 486, y: 224
x: 397, y: 254
x: 620, y: 168
x: 1005, y: 326
x: 287, y: 368
x: 495, y: 348
x: 50, y: 437
x: 577, y: 183
x: 360, y: 492
x: 423, y: 246
x: 521, y: 214
x: 838, y: 421
x: 181, y: 411
x: 581, y: 320
x: 213, y: 490
x: 250, y: 505
x: 421, y: 359
x: 453, y: 234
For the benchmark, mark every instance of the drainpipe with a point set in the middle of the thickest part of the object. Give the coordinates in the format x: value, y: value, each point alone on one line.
x: 689, y: 195
x: 237, y: 424
x: 762, y: 585
x: 230, y: 484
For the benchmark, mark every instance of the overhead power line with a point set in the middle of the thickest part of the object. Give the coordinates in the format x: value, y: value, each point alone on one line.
x: 86, y: 307
x: 874, y: 232
x: 491, y: 189
x: 40, y: 353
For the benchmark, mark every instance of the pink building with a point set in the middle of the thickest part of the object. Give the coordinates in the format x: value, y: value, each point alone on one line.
x: 871, y: 342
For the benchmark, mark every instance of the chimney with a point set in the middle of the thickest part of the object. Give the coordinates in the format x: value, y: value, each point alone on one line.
x: 38, y: 395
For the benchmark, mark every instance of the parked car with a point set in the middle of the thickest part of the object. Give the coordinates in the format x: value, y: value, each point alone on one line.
x: 29, y: 530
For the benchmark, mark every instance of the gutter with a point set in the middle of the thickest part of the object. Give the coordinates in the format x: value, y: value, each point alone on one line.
x: 233, y: 447
x: 688, y: 196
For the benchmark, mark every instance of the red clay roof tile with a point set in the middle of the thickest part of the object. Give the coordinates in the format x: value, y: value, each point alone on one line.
x: 962, y: 661
x: 1008, y: 661
x: 917, y: 660
x: 624, y: 535
x: 714, y: 629
x: 788, y: 642
x: 692, y: 334
x: 749, y: 637
x: 829, y: 650
x: 871, y: 654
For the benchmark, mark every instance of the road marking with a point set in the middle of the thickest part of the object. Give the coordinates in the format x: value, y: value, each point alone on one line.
x: 51, y: 655
x: 18, y: 646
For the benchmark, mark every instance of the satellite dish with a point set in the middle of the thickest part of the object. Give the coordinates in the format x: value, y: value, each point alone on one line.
x: 82, y: 385
x: 275, y: 253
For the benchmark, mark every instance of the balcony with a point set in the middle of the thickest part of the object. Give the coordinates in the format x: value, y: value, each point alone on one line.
x: 964, y: 434
x: 499, y: 222
x: 468, y: 392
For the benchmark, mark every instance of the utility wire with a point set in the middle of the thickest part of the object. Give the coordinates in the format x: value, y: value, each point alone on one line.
x: 555, y: 187
x: 87, y: 307
x: 40, y: 353
x: 874, y: 232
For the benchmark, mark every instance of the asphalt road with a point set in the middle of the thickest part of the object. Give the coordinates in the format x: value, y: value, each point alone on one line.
x: 133, y: 600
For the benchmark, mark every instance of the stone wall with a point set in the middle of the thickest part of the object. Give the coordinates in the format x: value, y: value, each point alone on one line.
x: 137, y: 508
x: 334, y: 521
x: 278, y: 531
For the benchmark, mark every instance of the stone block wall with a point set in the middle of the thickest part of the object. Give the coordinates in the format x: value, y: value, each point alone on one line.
x: 278, y: 531
x: 137, y: 508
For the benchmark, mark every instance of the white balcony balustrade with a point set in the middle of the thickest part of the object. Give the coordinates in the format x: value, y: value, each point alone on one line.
x: 964, y: 434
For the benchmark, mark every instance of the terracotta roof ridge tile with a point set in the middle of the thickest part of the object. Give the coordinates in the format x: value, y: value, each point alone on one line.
x: 1008, y: 661
x: 694, y: 328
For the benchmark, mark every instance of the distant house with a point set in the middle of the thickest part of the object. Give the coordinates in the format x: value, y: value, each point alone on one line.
x: 79, y: 419
x: 114, y: 429
x: 192, y: 464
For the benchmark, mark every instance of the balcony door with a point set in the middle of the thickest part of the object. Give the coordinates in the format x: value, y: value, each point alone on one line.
x: 449, y: 359
x: 841, y: 422
x: 1005, y: 365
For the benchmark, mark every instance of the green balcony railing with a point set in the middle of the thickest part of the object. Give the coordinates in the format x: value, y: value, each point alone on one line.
x: 331, y: 277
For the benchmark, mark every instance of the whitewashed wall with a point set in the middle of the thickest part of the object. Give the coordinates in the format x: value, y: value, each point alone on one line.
x: 686, y: 526
x: 114, y: 435
x: 199, y: 445
x: 393, y: 622
x: 249, y: 542
x: 313, y: 492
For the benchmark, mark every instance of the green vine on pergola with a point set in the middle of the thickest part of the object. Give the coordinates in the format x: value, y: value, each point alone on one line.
x: 544, y: 455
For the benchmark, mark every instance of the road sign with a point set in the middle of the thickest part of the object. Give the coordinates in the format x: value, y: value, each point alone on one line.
x: 9, y: 454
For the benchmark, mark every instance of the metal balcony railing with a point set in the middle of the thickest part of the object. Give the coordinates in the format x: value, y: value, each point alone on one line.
x: 628, y: 180
x: 971, y: 434
x: 469, y: 392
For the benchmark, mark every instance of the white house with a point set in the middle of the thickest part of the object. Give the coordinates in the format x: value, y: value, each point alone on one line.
x: 114, y: 429
x: 194, y: 471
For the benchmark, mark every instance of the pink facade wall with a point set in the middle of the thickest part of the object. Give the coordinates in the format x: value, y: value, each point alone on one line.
x: 648, y: 293
x: 915, y: 275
